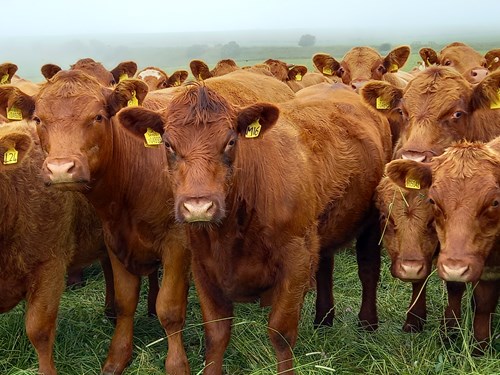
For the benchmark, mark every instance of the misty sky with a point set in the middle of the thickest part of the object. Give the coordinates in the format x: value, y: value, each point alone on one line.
x: 72, y: 17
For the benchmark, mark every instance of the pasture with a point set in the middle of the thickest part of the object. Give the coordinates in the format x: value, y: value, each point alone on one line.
x: 83, y: 335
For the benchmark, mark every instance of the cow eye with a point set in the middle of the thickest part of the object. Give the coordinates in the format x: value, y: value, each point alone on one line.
x: 495, y: 203
x: 37, y: 120
x: 447, y: 63
x: 382, y: 69
x: 98, y: 118
x: 431, y: 201
x: 230, y: 144
x: 457, y: 114
x: 112, y: 82
x: 340, y: 71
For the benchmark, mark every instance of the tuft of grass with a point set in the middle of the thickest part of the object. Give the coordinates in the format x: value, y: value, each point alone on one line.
x: 83, y: 335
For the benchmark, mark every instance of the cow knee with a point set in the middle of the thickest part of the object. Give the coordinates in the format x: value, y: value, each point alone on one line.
x: 171, y: 317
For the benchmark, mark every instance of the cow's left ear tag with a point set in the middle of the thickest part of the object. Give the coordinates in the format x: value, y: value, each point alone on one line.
x: 393, y: 68
x: 382, y: 104
x: 122, y: 77
x: 411, y: 183
x: 153, y: 139
x: 253, y: 130
x: 14, y: 113
x: 327, y: 71
x: 133, y: 102
x: 496, y: 103
x: 298, y: 77
x: 4, y: 79
x: 10, y: 156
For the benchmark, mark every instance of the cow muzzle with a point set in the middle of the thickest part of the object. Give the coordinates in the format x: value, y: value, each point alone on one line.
x: 458, y: 270
x: 192, y: 210
x: 63, y: 171
x: 410, y: 270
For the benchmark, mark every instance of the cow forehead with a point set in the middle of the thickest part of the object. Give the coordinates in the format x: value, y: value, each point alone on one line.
x: 361, y: 54
x: 150, y: 73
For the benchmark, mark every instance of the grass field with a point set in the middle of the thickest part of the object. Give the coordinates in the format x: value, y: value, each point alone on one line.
x: 84, y: 334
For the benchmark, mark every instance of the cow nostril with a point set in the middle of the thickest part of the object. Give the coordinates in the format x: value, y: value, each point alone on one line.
x: 474, y: 73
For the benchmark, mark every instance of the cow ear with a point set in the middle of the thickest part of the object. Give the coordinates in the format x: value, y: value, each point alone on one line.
x: 50, y: 70
x: 7, y: 71
x: 429, y: 56
x: 15, y: 104
x: 492, y: 59
x: 254, y: 120
x: 486, y: 94
x: 296, y: 73
x: 127, y: 93
x: 396, y: 59
x: 200, y: 70
x: 410, y: 174
x: 125, y: 69
x: 137, y: 120
x: 177, y: 78
x: 14, y: 148
x: 381, y: 95
x: 326, y: 64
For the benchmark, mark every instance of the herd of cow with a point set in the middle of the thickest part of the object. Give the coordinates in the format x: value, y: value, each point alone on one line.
x: 247, y: 180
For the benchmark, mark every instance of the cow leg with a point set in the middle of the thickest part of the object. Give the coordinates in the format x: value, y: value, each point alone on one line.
x: 154, y: 288
x: 171, y: 304
x: 109, y: 302
x: 453, y: 313
x: 127, y: 288
x: 415, y: 318
x: 485, y: 301
x: 368, y: 257
x: 41, y: 314
x: 325, y: 310
x: 75, y: 278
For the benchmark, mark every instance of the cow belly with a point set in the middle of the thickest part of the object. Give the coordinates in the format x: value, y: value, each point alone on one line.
x: 12, y: 291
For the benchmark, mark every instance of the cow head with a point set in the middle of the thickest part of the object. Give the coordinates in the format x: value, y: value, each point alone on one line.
x: 15, y: 104
x: 7, y: 71
x: 15, y: 145
x: 437, y: 108
x: 464, y: 59
x: 464, y: 191
x: 74, y: 114
x: 407, y: 224
x: 201, y: 132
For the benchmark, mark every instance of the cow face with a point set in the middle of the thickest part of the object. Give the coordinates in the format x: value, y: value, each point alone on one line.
x: 464, y: 190
x: 73, y: 114
x: 407, y: 224
x: 201, y: 134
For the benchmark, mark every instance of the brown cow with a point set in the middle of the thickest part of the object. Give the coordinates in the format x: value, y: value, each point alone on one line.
x: 437, y: 108
x: 464, y: 192
x: 464, y: 59
x: 410, y: 238
x: 8, y: 76
x: 361, y: 64
x: 95, y: 69
x: 157, y: 78
x: 201, y: 71
x: 43, y: 234
x: 88, y: 151
x: 255, y: 186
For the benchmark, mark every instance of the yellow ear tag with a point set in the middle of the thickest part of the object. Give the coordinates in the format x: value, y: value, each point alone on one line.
x: 394, y: 68
x: 177, y: 83
x: 122, y: 77
x: 10, y: 156
x: 14, y: 113
x: 298, y: 77
x: 133, y: 102
x: 496, y: 103
x: 4, y: 79
x: 382, y: 104
x: 253, y: 130
x: 199, y: 77
x: 327, y: 71
x: 411, y: 183
x: 153, y: 139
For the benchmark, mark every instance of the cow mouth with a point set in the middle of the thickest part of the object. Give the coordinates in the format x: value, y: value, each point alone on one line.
x: 80, y: 185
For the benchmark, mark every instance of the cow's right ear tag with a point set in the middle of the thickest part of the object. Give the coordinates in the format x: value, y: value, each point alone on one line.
x: 411, y: 183
x: 4, y: 79
x: 10, y: 156
x: 133, y: 102
x: 382, y: 104
x: 253, y: 130
x: 496, y: 104
x: 327, y: 71
x: 14, y: 113
x: 153, y: 139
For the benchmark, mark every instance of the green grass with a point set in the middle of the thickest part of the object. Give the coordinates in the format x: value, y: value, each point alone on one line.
x: 84, y: 334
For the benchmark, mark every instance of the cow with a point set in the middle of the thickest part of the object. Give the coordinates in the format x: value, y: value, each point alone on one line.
x: 201, y: 71
x: 122, y: 71
x: 437, y: 108
x: 157, y: 78
x: 465, y: 59
x: 8, y: 76
x: 361, y: 64
x: 410, y: 238
x: 295, y: 76
x: 464, y: 193
x: 44, y: 233
x: 87, y: 151
x: 265, y: 191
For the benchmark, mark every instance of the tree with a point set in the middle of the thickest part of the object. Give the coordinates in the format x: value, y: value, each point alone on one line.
x: 230, y: 50
x: 196, y: 50
x: 307, y: 40
x: 385, y: 47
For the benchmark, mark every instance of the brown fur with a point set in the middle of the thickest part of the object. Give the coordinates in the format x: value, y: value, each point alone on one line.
x: 139, y: 229
x: 201, y: 70
x: 163, y: 81
x: 44, y: 234
x: 311, y: 172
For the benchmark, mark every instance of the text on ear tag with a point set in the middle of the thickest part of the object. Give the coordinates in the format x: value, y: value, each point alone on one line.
x: 382, y: 104
x: 10, y: 156
x: 496, y: 103
x: 14, y: 113
x: 298, y: 77
x: 4, y: 79
x: 153, y: 139
x: 411, y: 183
x: 253, y: 130
x: 133, y: 102
x: 327, y: 71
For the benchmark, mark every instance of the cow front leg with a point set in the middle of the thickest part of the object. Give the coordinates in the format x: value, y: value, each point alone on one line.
x: 417, y: 314
x: 485, y: 302
x: 325, y: 311
x: 127, y: 288
x: 453, y: 313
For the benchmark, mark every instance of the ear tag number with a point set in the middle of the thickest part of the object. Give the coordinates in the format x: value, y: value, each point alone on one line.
x: 253, y: 130
x: 14, y: 113
x: 411, y: 183
x: 496, y: 103
x: 382, y: 104
x: 4, y: 79
x: 122, y: 77
x: 10, y: 156
x: 153, y: 139
x: 133, y: 102
x: 327, y: 71
x: 298, y: 77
